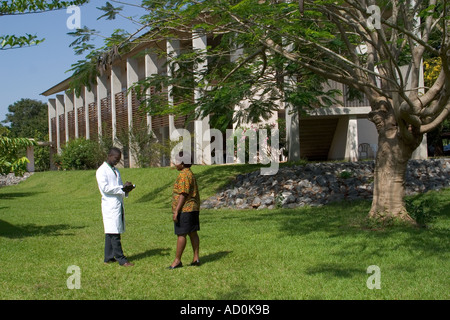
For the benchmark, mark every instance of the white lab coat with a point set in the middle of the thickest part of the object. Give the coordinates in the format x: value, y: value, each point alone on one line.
x: 110, y: 186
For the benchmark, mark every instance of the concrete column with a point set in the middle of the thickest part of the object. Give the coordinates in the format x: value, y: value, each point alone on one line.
x: 132, y: 77
x: 51, y: 113
x: 116, y: 87
x: 292, y: 120
x: 339, y: 143
x: 102, y: 92
x: 236, y: 53
x: 422, y: 150
x: 292, y: 134
x: 351, y: 148
x: 69, y: 106
x: 202, y: 135
x: 51, y: 105
x: 30, y: 157
x: 151, y: 68
x: 78, y: 103
x: 173, y: 50
x: 59, y: 111
x: 89, y: 97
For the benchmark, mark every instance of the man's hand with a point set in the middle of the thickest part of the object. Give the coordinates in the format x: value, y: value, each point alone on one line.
x: 175, y: 216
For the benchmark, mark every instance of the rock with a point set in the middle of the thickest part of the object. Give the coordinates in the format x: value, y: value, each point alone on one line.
x: 256, y: 202
x: 317, y: 184
x: 11, y: 179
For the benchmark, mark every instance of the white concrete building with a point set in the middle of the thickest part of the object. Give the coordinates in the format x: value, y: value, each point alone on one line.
x: 335, y: 133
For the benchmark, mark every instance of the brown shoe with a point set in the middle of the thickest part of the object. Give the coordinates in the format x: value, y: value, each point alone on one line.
x: 127, y: 264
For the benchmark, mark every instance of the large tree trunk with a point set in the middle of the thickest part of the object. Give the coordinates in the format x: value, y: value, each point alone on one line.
x: 390, y: 169
x: 389, y: 181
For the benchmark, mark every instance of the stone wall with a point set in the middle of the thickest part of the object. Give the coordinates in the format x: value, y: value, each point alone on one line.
x: 11, y: 179
x: 317, y: 184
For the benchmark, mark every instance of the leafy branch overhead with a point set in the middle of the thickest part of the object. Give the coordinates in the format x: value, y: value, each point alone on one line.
x: 14, y: 42
x: 110, y: 11
x: 22, y: 7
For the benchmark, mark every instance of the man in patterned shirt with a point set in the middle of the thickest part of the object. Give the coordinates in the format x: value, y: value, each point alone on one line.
x: 185, y: 209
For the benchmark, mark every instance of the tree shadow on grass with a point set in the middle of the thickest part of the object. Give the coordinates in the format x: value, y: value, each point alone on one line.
x: 346, y: 223
x: 214, y: 256
x: 13, y: 195
x: 334, y: 270
x: 8, y: 230
x: 236, y: 292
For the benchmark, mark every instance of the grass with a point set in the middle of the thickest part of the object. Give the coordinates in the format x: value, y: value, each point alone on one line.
x: 52, y: 221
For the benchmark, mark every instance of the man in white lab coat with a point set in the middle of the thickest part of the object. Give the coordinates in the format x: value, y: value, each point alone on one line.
x: 113, y: 192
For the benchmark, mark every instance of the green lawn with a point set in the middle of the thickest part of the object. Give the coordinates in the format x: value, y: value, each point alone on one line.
x: 53, y: 220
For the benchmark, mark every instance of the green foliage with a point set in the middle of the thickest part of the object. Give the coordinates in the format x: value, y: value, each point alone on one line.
x: 83, y: 36
x: 10, y: 161
x: 80, y: 154
x: 85, y: 73
x: 143, y: 145
x: 422, y: 211
x: 345, y: 174
x: 12, y: 41
x: 35, y: 6
x: 110, y: 11
x: 27, y: 118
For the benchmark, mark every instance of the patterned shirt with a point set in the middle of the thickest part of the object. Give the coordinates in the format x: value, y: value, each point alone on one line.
x: 186, y: 183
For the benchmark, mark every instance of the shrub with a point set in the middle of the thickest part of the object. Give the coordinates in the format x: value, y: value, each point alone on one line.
x: 80, y: 154
x: 10, y: 160
x: 422, y: 211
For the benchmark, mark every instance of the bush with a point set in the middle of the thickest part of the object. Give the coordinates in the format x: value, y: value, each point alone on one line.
x: 422, y: 211
x: 80, y: 154
x: 10, y: 160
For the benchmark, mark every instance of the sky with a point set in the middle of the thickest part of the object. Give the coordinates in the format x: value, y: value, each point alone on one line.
x: 28, y: 71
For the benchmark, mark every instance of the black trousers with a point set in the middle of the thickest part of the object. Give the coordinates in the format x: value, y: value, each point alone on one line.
x: 113, y: 249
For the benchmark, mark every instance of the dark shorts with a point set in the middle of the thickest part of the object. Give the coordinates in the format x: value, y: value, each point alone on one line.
x: 187, y: 222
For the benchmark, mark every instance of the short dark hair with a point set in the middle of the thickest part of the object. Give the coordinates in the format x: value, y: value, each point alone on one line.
x: 114, y: 150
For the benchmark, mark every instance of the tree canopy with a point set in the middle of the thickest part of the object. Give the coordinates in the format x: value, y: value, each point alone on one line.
x: 27, y: 118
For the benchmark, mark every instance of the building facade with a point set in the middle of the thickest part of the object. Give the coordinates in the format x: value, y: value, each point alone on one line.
x: 340, y: 132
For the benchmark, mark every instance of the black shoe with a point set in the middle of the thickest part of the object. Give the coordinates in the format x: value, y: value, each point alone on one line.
x: 195, y: 263
x: 175, y: 267
x: 110, y: 261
